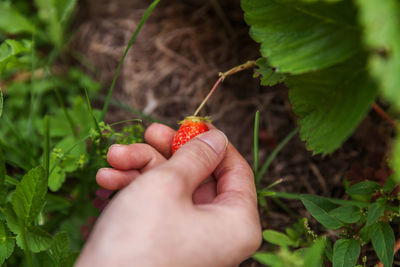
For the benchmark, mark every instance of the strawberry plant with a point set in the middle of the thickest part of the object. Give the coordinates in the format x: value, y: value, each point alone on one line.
x: 336, y: 58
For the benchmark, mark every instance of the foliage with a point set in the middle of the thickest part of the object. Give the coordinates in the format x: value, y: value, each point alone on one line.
x: 335, y: 57
x: 52, y: 141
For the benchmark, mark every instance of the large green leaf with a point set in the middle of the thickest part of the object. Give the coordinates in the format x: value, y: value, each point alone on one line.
x: 60, y: 250
x: 36, y: 239
x: 375, y: 211
x: 319, y: 209
x: 381, y: 22
x: 296, y: 37
x: 7, y: 243
x: 331, y: 103
x: 383, y: 240
x: 346, y: 214
x: 11, y: 21
x: 345, y: 253
x: 30, y: 195
x: 363, y: 188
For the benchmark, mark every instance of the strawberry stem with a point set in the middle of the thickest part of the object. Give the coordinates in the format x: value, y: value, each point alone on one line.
x: 222, y: 76
x: 384, y: 115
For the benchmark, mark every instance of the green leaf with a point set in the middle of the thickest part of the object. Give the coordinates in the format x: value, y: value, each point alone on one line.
x: 297, y: 38
x: 9, y: 49
x: 313, y: 255
x: 3, y: 188
x: 319, y: 209
x: 345, y: 253
x: 331, y: 103
x: 56, y: 179
x: 277, y: 238
x: 375, y: 211
x: 383, y: 242
x: 60, y: 249
x: 269, y: 259
x: 7, y: 243
x: 36, y: 239
x: 363, y: 188
x: 11, y: 21
x: 381, y: 22
x: 12, y: 219
x: 49, y: 14
x: 268, y: 74
x: 347, y: 214
x: 30, y: 194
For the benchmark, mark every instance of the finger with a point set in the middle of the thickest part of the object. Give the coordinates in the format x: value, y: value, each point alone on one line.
x: 160, y: 137
x: 206, y: 192
x: 113, y: 179
x: 235, y: 180
x: 136, y: 156
x: 196, y: 160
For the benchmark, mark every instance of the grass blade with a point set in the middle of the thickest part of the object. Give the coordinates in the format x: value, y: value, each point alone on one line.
x: 142, y: 21
x: 1, y: 102
x: 256, y: 126
x: 46, y: 145
x: 273, y: 155
x: 91, y: 113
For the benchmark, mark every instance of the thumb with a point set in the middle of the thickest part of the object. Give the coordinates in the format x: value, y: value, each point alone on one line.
x: 197, y: 159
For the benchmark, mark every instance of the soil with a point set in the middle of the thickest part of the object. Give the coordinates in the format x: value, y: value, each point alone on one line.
x: 173, y: 64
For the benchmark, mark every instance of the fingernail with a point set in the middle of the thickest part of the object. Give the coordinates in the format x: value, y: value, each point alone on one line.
x: 114, y: 146
x: 216, y: 139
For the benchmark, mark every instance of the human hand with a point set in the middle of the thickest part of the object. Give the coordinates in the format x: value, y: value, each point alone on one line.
x: 165, y: 215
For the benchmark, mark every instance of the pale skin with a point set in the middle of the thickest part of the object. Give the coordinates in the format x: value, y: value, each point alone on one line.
x: 169, y: 211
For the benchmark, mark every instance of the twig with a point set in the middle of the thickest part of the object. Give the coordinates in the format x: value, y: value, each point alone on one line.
x: 384, y: 115
x: 396, y: 248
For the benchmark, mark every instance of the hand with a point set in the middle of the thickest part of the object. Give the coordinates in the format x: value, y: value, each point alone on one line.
x: 165, y: 215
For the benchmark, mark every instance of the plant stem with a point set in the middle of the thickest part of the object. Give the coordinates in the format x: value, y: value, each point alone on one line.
x: 384, y: 115
x: 223, y: 75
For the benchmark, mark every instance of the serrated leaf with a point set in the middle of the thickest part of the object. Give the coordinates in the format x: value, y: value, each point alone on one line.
x: 345, y: 253
x: 269, y: 76
x: 297, y: 37
x: 277, y: 238
x: 7, y: 243
x: 381, y: 22
x: 11, y: 21
x: 30, y: 195
x: 12, y: 219
x: 331, y: 103
x: 60, y: 249
x: 319, y: 209
x: 383, y: 240
x: 313, y: 255
x: 347, y: 214
x: 36, y: 239
x: 375, y: 211
x: 363, y: 188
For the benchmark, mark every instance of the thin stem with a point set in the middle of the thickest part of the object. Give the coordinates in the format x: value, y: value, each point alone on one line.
x: 384, y: 115
x: 142, y: 21
x: 220, y: 79
x: 273, y: 155
x: 223, y: 75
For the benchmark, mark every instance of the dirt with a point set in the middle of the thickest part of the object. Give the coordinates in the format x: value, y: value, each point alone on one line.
x: 173, y: 64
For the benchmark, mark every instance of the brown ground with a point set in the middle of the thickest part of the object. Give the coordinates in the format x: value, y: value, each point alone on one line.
x: 174, y: 63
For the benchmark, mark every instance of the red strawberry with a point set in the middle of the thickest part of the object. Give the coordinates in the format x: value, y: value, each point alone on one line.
x: 191, y: 126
